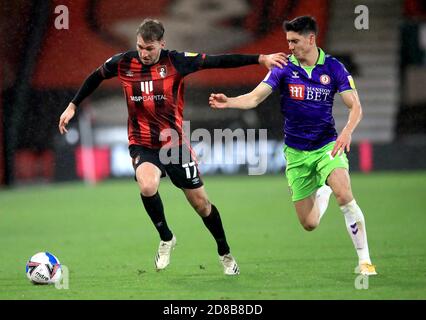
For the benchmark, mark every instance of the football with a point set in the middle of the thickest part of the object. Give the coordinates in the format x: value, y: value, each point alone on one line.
x: 43, y: 268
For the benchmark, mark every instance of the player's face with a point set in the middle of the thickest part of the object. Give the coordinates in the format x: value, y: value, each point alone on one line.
x: 149, y: 52
x: 300, y: 45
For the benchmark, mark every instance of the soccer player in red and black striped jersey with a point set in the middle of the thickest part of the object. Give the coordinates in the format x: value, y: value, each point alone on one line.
x: 152, y: 80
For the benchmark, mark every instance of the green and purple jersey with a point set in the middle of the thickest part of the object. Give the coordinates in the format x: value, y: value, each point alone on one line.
x: 307, y: 95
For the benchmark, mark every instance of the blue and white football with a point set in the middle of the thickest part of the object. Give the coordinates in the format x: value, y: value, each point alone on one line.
x: 43, y: 268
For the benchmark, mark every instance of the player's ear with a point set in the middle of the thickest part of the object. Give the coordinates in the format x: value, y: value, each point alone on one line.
x: 163, y: 43
x: 312, y: 39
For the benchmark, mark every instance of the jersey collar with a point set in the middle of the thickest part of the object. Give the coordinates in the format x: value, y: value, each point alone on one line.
x: 320, y: 61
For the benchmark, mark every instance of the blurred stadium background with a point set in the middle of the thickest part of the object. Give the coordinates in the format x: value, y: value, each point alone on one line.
x: 42, y: 68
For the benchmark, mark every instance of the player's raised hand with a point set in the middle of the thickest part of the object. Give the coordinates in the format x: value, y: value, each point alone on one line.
x: 343, y: 143
x: 279, y: 60
x: 218, y: 101
x: 66, y: 116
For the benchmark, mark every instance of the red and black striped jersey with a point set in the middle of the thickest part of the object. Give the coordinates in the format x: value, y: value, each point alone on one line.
x: 154, y: 93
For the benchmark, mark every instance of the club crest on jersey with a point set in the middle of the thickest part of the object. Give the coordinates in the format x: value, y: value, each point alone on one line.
x: 162, y: 71
x: 325, y: 79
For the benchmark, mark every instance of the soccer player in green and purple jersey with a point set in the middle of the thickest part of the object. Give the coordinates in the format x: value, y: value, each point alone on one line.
x: 315, y: 153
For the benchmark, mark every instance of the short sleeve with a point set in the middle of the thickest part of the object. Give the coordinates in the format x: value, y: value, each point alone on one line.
x: 344, y: 80
x: 273, y: 78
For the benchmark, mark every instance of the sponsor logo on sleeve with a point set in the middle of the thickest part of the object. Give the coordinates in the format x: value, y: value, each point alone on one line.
x: 191, y: 54
x: 351, y: 82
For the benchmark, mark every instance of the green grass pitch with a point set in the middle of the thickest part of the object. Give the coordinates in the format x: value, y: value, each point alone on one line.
x: 105, y: 238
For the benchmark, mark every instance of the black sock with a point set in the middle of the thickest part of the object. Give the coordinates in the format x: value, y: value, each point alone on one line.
x: 214, y: 224
x: 154, y: 207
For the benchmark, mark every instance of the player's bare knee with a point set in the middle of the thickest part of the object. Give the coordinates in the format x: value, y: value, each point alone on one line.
x: 148, y: 189
x: 202, y: 206
x: 203, y: 209
x: 310, y: 225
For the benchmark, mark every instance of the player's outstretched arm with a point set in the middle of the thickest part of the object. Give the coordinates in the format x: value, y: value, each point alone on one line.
x: 343, y: 142
x: 245, y: 101
x: 86, y: 89
x: 239, y: 60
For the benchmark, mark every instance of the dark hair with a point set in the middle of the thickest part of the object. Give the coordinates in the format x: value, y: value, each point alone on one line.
x: 302, y: 25
x: 151, y: 30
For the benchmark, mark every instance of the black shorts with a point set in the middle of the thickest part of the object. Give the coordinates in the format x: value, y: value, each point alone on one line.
x: 178, y: 163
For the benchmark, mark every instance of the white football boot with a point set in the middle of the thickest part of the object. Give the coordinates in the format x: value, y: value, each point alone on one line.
x: 230, y: 266
x: 366, y: 269
x: 162, y: 259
